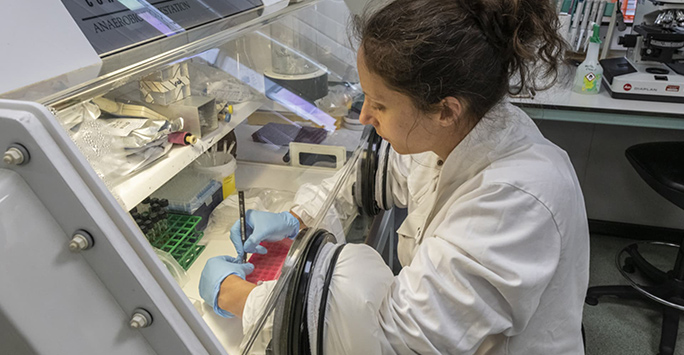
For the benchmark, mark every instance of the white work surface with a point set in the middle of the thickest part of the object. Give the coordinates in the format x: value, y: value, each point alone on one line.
x: 561, y: 104
x: 562, y: 96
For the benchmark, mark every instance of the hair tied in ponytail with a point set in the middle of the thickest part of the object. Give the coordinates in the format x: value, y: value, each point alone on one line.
x: 497, y: 27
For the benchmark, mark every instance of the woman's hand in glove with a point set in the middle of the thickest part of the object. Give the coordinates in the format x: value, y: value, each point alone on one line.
x: 263, y: 226
x: 214, y: 273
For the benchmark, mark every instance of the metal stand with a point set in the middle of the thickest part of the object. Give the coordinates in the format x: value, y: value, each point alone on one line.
x: 649, y: 283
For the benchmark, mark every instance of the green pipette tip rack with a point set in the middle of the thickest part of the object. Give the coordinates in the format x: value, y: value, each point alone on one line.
x: 181, y: 239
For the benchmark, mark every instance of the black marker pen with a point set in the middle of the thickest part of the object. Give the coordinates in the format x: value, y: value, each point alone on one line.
x: 243, y: 226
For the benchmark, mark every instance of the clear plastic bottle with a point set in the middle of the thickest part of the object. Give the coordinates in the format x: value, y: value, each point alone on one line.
x: 590, y: 73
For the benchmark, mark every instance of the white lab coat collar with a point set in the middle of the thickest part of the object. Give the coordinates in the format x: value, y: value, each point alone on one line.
x: 481, y: 146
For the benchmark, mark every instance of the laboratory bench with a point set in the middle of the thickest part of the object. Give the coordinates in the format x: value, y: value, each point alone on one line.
x: 559, y: 103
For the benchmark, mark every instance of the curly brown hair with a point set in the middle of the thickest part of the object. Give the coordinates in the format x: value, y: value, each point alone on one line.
x: 467, y: 49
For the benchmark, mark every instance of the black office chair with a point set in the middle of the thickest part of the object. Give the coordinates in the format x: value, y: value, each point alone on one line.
x: 661, y: 165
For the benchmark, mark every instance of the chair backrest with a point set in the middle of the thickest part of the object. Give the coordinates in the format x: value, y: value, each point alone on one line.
x: 661, y: 165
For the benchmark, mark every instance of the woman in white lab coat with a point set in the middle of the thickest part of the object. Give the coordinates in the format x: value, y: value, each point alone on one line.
x: 495, y: 248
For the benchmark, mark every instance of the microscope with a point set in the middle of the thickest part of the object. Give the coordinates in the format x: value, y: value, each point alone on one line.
x: 653, y: 68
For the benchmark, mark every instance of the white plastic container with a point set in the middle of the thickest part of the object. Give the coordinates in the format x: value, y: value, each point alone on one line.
x: 220, y: 166
x: 590, y: 73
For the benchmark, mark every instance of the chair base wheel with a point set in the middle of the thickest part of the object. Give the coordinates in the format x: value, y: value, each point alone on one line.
x: 592, y: 301
x: 628, y: 267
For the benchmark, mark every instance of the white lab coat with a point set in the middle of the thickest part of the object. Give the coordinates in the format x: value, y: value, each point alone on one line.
x: 495, y: 251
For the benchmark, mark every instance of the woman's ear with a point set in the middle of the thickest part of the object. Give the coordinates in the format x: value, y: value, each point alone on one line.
x: 451, y: 112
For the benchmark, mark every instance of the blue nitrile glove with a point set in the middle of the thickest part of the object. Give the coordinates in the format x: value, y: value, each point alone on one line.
x: 263, y: 226
x: 214, y: 272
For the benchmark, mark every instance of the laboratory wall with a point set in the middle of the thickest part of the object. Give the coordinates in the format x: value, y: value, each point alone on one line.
x: 356, y: 6
x: 328, y: 26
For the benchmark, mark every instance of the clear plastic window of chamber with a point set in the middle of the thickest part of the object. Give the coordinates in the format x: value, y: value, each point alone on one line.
x: 279, y: 97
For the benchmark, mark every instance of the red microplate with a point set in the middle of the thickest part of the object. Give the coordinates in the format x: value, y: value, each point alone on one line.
x: 267, y: 266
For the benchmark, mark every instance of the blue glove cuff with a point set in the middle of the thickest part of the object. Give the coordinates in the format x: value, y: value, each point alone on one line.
x: 294, y: 222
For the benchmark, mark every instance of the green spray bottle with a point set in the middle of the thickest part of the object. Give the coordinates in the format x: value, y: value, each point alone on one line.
x: 590, y: 73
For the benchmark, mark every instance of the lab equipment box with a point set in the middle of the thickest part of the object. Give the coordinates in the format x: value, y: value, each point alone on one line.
x: 193, y: 194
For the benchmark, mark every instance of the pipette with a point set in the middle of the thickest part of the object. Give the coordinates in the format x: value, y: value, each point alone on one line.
x: 601, y: 10
x: 592, y: 17
x: 584, y: 24
x: 575, y: 22
x: 571, y: 9
x: 590, y: 24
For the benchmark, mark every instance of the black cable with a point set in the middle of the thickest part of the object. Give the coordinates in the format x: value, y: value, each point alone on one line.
x: 619, y: 17
x: 385, y: 199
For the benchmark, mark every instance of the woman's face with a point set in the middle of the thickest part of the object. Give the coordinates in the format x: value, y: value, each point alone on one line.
x: 394, y: 116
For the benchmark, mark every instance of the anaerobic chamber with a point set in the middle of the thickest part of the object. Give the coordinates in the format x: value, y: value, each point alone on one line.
x: 144, y: 102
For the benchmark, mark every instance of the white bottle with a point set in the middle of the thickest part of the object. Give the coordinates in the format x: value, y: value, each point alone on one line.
x: 590, y: 73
